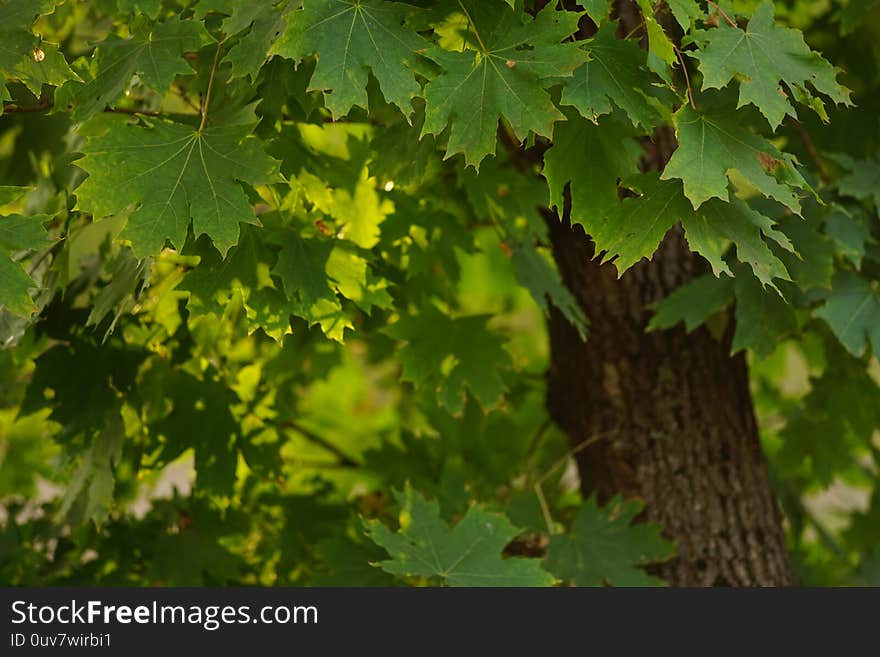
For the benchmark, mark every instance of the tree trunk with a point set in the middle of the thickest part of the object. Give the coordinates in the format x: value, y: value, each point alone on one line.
x: 670, y: 413
x: 673, y: 416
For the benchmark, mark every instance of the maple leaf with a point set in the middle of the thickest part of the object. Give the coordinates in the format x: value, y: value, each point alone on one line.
x: 850, y: 236
x: 18, y: 233
x: 862, y: 181
x: 605, y: 547
x: 174, y: 174
x: 763, y: 317
x: 852, y: 310
x: 634, y: 228
x: 264, y: 22
x: 154, y: 53
x: 536, y: 273
x: 314, y: 270
x: 149, y: 7
x: 592, y: 158
x: 467, y: 555
x: 24, y: 56
x: 693, y: 302
x: 503, y: 74
x: 685, y: 11
x: 717, y: 225
x: 762, y: 57
x: 434, y: 339
x: 616, y: 74
x: 713, y: 141
x: 200, y: 419
x: 811, y: 261
x: 375, y: 41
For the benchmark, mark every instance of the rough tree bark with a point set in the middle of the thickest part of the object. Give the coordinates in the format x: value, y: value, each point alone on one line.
x: 671, y: 412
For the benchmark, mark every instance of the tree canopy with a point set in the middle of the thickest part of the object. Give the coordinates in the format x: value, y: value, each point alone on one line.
x: 274, y: 278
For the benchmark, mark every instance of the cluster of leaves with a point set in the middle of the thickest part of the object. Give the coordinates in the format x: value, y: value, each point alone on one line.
x: 273, y: 278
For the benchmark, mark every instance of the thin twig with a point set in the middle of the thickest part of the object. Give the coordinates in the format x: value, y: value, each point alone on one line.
x: 45, y: 106
x: 811, y: 149
x: 538, y: 487
x: 687, y: 79
x: 634, y: 30
x: 581, y: 446
x: 36, y: 262
x: 24, y: 109
x: 210, y: 85
x: 729, y: 20
x: 533, y: 445
x: 311, y: 436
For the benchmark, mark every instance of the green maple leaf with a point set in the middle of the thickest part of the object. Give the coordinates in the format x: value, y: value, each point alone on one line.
x: 604, y: 547
x: 862, y: 180
x: 126, y: 273
x: 852, y: 310
x: 850, y: 236
x: 314, y: 270
x: 93, y: 481
x: 763, y: 317
x: 693, y: 302
x: 597, y: 10
x: 811, y: 262
x: 685, y: 12
x: 536, y: 273
x: 616, y: 74
x: 503, y: 74
x: 450, y: 354
x: 200, y: 419
x: 265, y: 21
x: 712, y: 142
x: 717, y: 225
x: 154, y: 53
x: 592, y: 158
x: 467, y: 555
x: 85, y: 403
x: 18, y: 233
x: 174, y: 174
x: 375, y: 41
x: 355, y: 280
x: 24, y: 56
x: 761, y: 58
x: 829, y: 428
x: 633, y: 229
x: 149, y: 7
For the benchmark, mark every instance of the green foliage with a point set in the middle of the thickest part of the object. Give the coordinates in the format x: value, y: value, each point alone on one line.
x: 605, y: 548
x: 264, y: 264
x: 177, y: 177
x: 761, y: 57
x: 502, y: 71
x: 467, y: 555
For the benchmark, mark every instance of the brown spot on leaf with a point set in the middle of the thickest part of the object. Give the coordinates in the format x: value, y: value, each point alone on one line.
x: 323, y: 227
x: 769, y: 162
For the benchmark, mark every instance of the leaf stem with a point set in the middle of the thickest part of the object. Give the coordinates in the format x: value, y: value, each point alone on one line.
x: 687, y: 79
x: 211, y: 84
x: 729, y: 20
x: 811, y: 149
x: 471, y: 21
